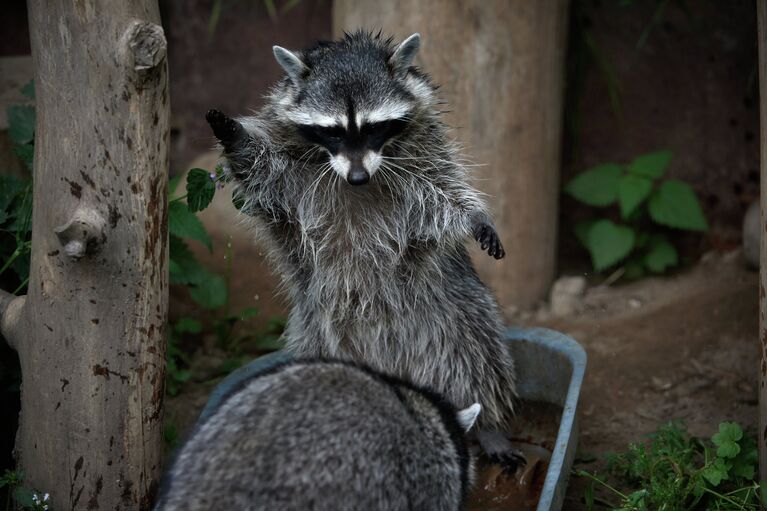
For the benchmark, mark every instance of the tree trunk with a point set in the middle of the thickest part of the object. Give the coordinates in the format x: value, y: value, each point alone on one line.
x: 761, y: 11
x: 501, y: 67
x: 91, y: 332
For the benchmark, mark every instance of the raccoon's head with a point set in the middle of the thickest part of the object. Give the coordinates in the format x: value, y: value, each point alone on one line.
x: 352, y: 98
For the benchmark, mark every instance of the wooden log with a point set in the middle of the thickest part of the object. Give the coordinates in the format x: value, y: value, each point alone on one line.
x: 501, y: 67
x: 91, y: 332
x: 761, y: 9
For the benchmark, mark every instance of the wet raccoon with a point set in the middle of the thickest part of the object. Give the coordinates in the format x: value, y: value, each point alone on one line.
x: 325, y: 436
x: 364, y: 204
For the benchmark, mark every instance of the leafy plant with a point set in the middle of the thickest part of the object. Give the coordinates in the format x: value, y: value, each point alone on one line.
x: 677, y: 472
x: 207, y: 289
x: 21, y: 497
x: 16, y: 197
x: 649, y: 207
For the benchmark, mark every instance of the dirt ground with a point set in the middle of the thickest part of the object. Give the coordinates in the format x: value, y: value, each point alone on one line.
x: 681, y: 347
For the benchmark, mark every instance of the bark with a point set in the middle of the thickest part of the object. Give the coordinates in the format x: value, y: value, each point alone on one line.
x: 501, y: 68
x: 761, y: 10
x: 90, y: 332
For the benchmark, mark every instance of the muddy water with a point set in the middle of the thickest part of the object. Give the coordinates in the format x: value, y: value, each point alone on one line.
x: 534, y: 434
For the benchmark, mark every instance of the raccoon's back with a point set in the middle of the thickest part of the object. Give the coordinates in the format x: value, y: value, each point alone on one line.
x: 314, y: 439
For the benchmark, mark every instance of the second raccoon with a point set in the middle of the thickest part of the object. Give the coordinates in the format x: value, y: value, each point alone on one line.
x: 325, y: 436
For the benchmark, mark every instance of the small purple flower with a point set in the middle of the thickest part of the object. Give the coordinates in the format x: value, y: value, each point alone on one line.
x: 212, y: 176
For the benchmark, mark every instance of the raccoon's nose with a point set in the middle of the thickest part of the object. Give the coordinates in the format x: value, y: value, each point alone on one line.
x: 358, y: 177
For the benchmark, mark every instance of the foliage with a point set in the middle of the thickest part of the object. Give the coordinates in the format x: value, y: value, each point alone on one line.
x: 677, y: 472
x: 649, y: 207
x: 21, y: 497
x: 207, y: 289
x: 16, y: 198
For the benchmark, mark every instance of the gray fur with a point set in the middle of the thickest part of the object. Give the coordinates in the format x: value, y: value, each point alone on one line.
x: 403, y: 56
x: 323, y: 436
x: 289, y: 62
x: 376, y: 273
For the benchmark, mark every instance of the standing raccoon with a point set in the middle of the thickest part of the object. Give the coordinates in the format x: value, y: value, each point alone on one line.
x: 365, y: 207
x: 325, y: 436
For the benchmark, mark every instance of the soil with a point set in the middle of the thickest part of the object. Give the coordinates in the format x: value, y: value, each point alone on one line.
x: 679, y: 347
x: 682, y: 347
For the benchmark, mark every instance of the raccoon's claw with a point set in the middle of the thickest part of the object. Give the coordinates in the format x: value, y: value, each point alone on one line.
x: 489, y: 240
x: 229, y: 132
x: 510, y: 461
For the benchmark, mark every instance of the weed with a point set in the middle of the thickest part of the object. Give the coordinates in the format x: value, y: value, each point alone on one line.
x: 649, y: 207
x: 677, y: 472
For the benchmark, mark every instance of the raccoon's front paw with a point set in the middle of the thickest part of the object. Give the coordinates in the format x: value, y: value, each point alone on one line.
x: 230, y: 132
x: 498, y: 449
x: 510, y: 461
x: 489, y: 240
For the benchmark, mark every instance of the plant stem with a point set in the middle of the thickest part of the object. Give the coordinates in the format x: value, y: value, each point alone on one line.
x: 14, y: 256
x: 583, y: 473
x: 21, y: 286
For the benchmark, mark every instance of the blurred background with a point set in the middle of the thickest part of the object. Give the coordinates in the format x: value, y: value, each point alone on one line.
x: 617, y: 141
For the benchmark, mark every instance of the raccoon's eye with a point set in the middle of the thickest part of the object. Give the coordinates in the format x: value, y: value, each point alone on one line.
x: 377, y: 133
x: 323, y: 135
x: 333, y: 132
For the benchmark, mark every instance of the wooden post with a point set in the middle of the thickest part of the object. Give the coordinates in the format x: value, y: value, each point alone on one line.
x: 91, y: 332
x: 761, y: 9
x: 501, y: 67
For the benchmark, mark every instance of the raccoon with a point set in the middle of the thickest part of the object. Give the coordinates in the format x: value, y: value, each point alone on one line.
x: 363, y: 202
x: 325, y: 435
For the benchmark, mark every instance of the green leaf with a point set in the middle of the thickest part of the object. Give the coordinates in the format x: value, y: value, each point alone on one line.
x: 652, y: 165
x: 21, y: 123
x: 675, y: 204
x: 632, y: 191
x: 26, y: 153
x: 745, y: 463
x: 211, y: 292
x: 10, y: 188
x: 582, y: 231
x: 24, y: 497
x: 22, y: 212
x: 662, y: 256
x: 589, y: 497
x: 187, y: 326
x: 184, y: 267
x: 200, y: 189
x: 184, y: 224
x: 716, y: 472
x: 609, y: 243
x: 637, y: 498
x: 29, y: 90
x: 597, y: 186
x: 727, y: 439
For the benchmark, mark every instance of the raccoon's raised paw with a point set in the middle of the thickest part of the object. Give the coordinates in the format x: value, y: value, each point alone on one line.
x: 489, y: 240
x: 230, y: 132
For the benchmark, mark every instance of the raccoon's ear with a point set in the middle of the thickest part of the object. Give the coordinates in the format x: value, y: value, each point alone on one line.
x: 290, y: 62
x: 403, y: 56
x: 468, y: 416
